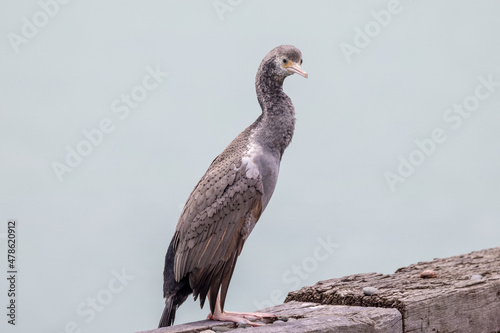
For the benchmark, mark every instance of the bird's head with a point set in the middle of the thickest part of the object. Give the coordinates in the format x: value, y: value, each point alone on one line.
x: 283, y: 61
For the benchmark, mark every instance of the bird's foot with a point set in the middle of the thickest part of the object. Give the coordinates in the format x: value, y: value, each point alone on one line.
x: 242, y: 317
x: 253, y: 315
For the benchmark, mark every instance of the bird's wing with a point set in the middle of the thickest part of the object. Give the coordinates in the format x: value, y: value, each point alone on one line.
x: 216, y: 220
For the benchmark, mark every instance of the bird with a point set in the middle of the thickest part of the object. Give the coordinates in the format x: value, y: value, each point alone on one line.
x: 225, y: 205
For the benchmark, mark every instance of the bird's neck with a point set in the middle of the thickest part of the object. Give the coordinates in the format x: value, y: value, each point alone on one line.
x: 277, y: 122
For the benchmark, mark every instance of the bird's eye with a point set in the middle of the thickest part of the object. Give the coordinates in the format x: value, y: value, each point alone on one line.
x: 301, y: 61
x: 285, y: 61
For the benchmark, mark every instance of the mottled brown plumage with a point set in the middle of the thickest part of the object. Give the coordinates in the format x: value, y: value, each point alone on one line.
x: 215, y: 222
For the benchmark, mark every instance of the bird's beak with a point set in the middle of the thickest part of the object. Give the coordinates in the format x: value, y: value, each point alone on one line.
x: 295, y: 68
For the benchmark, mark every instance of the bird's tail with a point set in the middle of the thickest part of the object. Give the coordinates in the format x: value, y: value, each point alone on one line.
x: 168, y: 315
x: 175, y: 292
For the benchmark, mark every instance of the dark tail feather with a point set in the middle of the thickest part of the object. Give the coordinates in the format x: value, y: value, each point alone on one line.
x: 175, y: 293
x: 168, y: 315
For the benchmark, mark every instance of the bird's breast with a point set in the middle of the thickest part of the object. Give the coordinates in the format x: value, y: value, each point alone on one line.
x: 260, y: 163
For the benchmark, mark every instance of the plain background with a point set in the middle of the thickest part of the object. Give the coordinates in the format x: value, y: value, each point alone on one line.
x: 118, y: 209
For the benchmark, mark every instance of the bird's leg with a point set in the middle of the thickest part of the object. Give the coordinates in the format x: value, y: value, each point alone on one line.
x: 238, y: 317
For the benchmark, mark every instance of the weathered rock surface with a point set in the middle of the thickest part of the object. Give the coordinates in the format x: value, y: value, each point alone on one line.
x: 457, y: 294
x: 310, y: 317
x: 449, y: 302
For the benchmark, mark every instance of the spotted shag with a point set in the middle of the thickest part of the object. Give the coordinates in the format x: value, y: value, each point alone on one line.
x: 227, y: 202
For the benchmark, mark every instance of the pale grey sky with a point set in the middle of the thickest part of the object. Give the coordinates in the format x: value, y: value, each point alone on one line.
x: 395, y: 157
